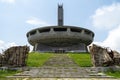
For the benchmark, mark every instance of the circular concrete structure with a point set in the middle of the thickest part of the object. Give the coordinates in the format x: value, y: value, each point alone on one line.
x: 59, y: 36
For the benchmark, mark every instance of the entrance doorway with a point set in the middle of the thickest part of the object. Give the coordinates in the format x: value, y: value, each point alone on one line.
x: 59, y: 51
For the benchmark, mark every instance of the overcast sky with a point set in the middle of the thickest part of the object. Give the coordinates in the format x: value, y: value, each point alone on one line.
x: 17, y: 17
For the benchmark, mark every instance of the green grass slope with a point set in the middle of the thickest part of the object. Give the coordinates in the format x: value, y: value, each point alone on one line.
x: 36, y: 59
x: 113, y: 73
x: 4, y: 73
x: 81, y: 59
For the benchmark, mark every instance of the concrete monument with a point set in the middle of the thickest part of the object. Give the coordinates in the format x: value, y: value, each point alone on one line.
x: 60, y: 38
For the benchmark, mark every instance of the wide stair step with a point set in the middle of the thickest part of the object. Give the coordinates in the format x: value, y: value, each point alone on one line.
x: 61, y: 66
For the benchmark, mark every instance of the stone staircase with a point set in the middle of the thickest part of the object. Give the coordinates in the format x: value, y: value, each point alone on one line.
x: 61, y: 66
x: 60, y: 60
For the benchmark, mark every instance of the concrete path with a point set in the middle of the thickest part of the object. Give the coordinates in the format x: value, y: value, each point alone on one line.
x: 61, y: 66
x: 60, y: 60
x: 60, y: 79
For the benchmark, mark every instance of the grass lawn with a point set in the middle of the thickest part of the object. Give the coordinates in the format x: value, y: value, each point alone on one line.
x: 4, y: 73
x: 36, y: 59
x: 115, y: 74
x: 82, y: 59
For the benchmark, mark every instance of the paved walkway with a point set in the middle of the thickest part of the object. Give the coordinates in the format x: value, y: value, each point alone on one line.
x: 61, y: 66
x: 60, y: 60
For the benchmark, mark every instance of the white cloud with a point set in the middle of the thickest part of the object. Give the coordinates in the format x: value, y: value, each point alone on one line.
x: 4, y: 45
x: 8, y: 1
x: 112, y: 40
x: 107, y: 17
x: 36, y: 22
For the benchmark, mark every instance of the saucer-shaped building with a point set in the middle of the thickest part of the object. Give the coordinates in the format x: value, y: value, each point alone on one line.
x: 60, y: 38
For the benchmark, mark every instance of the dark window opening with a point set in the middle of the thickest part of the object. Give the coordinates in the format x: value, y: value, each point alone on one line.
x: 76, y: 30
x: 92, y: 35
x: 60, y: 29
x: 87, y: 32
x: 44, y: 30
x: 59, y: 51
x: 32, y: 33
x: 27, y: 35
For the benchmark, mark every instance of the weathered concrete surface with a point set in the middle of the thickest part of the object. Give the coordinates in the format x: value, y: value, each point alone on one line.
x: 63, y: 38
x: 60, y: 60
x: 60, y: 37
x: 61, y: 66
x: 61, y: 72
x: 61, y: 79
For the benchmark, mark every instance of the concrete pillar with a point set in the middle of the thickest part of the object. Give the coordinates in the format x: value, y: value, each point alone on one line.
x: 35, y: 47
x: 37, y: 31
x: 86, y: 48
x: 60, y: 15
x: 51, y: 30
x: 68, y: 30
x: 83, y: 31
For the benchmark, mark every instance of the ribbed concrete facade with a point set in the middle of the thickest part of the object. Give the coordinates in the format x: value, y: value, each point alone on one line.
x: 65, y: 38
